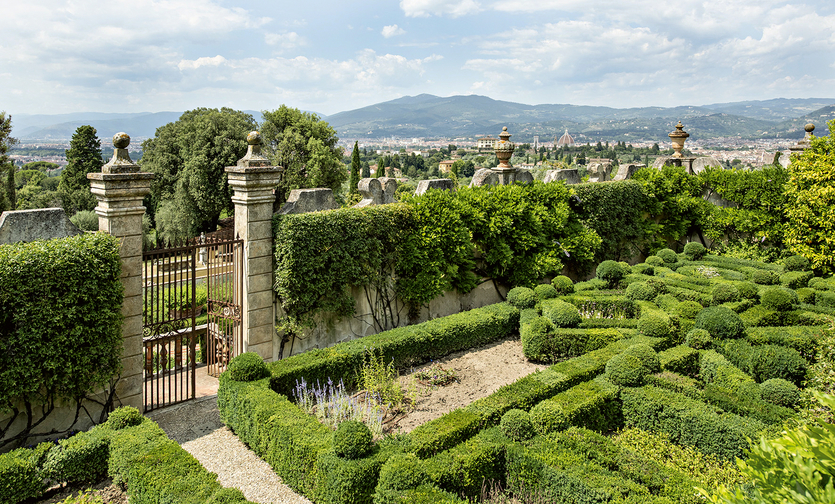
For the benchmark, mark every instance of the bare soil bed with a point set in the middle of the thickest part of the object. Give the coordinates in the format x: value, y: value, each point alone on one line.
x: 480, y: 372
x: 109, y: 493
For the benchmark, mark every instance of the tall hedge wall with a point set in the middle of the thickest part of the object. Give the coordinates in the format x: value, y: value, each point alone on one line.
x: 60, y: 319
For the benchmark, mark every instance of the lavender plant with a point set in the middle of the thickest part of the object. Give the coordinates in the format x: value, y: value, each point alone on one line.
x: 332, y: 404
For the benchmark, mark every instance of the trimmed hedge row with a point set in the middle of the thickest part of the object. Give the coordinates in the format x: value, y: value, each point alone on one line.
x: 405, y: 346
x: 137, y: 454
x: 688, y: 421
x: 593, y: 404
x: 542, y: 341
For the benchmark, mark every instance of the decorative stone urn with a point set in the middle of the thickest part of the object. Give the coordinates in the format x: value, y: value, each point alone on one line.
x: 504, y: 149
x: 678, y: 137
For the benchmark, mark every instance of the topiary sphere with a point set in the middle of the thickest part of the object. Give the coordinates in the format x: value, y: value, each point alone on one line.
x: 669, y: 256
x: 775, y: 361
x: 647, y: 356
x: 643, y: 269
x: 725, y: 292
x: 694, y: 251
x: 516, y: 424
x: 126, y: 416
x: 352, y: 440
x: 610, y: 272
x: 795, y: 263
x: 698, y: 339
x: 748, y: 290
x: 721, y: 322
x: 521, y: 297
x: 666, y: 302
x: 545, y: 291
x: 659, y: 285
x: 688, y: 309
x: 249, y: 366
x: 806, y: 295
x: 640, y: 291
x: 562, y: 314
x: 765, y: 277
x: 563, y: 284
x: 655, y: 325
x: 627, y: 269
x: 818, y: 284
x: 654, y: 260
x: 780, y: 392
x: 779, y: 299
x: 626, y: 370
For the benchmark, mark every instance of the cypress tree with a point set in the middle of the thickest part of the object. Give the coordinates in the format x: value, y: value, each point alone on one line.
x: 366, y: 169
x: 83, y: 157
x: 355, y: 169
x: 11, y: 195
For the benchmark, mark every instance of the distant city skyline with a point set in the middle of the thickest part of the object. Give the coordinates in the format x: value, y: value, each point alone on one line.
x: 61, y: 56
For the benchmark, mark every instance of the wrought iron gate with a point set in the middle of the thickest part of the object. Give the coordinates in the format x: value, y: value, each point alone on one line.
x: 181, y: 284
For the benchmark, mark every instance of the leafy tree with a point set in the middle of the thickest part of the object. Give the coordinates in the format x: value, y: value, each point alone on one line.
x: 40, y: 165
x: 306, y: 147
x: 810, y: 198
x: 189, y: 157
x: 6, y: 143
x: 355, y: 169
x: 83, y: 157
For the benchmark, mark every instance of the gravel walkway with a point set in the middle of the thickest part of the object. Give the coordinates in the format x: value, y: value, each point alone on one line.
x: 197, y: 427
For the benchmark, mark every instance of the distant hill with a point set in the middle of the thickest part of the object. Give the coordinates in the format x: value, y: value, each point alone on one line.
x: 432, y: 116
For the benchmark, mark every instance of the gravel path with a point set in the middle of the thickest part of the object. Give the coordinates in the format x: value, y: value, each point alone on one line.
x: 197, y: 427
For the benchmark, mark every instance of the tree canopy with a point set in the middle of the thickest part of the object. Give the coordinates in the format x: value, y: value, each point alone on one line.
x: 83, y: 157
x: 306, y: 147
x: 7, y: 195
x: 189, y: 157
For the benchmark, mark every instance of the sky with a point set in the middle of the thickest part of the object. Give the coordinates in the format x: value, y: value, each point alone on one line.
x: 63, y: 56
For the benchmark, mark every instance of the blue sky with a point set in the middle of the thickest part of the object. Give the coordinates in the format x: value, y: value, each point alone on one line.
x: 329, y: 56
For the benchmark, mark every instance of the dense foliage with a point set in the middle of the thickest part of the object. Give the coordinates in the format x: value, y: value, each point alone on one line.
x: 60, y: 324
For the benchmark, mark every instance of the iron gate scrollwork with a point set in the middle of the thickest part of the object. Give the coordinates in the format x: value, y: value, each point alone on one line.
x: 224, y: 278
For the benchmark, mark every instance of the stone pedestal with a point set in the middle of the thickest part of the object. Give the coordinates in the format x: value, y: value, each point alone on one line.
x: 119, y: 190
x: 253, y: 181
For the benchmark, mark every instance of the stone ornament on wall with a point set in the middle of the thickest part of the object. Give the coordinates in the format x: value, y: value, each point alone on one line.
x: 439, y: 184
x: 376, y: 191
x: 569, y: 175
x: 308, y: 200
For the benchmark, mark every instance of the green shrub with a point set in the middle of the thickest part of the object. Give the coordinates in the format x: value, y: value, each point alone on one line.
x: 694, y: 251
x: 562, y: 314
x: 688, y: 421
x: 819, y: 284
x: 760, y: 316
x: 527, y: 316
x: 654, y: 260
x: 774, y: 361
x: 764, y: 277
x: 796, y: 263
x: 669, y: 256
x: 82, y: 458
x: 352, y: 440
x: 248, y: 366
x: 641, y: 291
x: 557, y: 343
x: 795, y: 279
x: 724, y: 292
x: 803, y: 339
x: 126, y: 416
x: 647, y: 355
x: 626, y: 370
x: 655, y: 325
x: 699, y: 339
x: 681, y: 359
x: 227, y: 496
x: 746, y: 400
x: 721, y: 322
x: 592, y: 404
x: 588, y: 285
x: 516, y: 424
x: 20, y: 477
x: 535, y: 336
x: 666, y: 302
x: 825, y: 298
x: 563, y: 284
x: 400, y: 472
x: 688, y: 309
x: 521, y: 297
x: 643, y: 269
x: 714, y: 368
x: 779, y: 299
x: 806, y: 295
x: 545, y: 291
x: 610, y: 272
x: 780, y: 392
x: 748, y: 290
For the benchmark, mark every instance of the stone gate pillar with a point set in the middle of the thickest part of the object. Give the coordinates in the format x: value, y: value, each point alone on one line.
x: 119, y: 189
x: 253, y: 180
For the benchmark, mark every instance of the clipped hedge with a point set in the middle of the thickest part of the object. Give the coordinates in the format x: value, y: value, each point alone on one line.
x: 688, y: 421
x: 552, y: 343
x: 405, y: 346
x: 593, y: 404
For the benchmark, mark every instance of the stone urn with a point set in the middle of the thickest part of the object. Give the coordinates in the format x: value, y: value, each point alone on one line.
x: 504, y: 149
x: 678, y: 137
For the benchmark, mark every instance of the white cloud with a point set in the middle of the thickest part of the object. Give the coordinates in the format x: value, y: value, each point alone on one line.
x: 287, y: 40
x: 392, y: 30
x: 215, y: 61
x: 426, y: 8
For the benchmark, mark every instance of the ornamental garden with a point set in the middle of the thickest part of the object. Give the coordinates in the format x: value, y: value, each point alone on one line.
x: 672, y: 371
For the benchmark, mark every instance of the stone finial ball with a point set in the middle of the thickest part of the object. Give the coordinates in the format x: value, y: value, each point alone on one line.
x: 121, y: 140
x: 504, y: 128
x: 254, y: 138
x: 810, y: 128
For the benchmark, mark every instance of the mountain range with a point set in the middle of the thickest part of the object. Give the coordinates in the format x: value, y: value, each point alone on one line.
x: 429, y: 116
